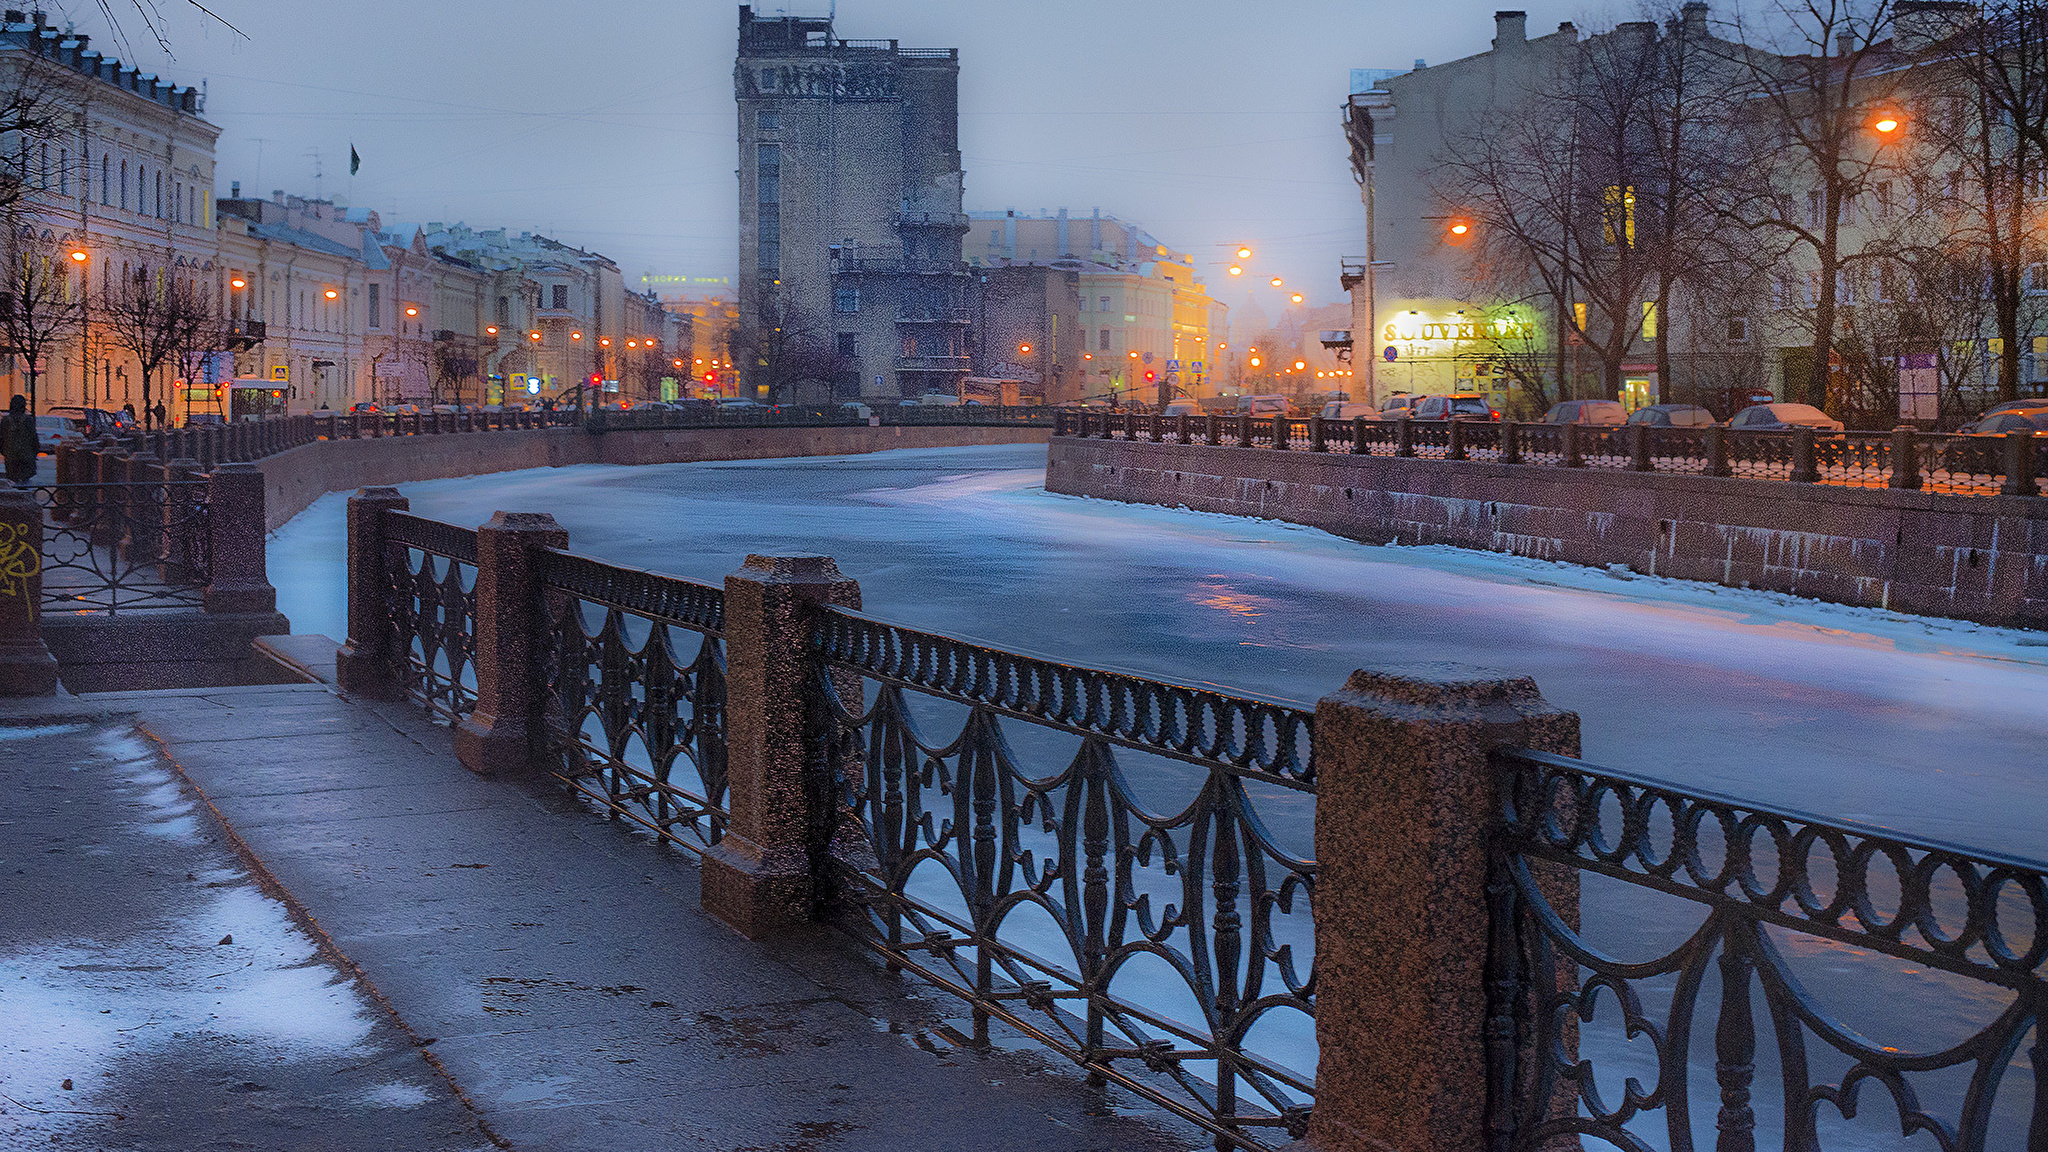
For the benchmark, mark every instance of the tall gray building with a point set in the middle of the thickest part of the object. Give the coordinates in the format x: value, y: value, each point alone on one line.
x: 850, y: 212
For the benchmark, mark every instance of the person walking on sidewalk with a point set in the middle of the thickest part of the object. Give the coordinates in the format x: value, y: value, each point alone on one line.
x: 18, y: 441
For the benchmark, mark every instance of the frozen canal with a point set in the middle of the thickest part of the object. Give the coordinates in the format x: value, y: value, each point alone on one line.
x: 1927, y: 725
x: 1931, y: 727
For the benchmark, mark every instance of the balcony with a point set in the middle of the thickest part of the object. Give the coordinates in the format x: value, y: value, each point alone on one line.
x: 935, y: 316
x: 950, y: 221
x: 933, y: 363
x: 895, y: 266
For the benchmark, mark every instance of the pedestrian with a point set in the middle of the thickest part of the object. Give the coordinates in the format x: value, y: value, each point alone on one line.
x: 18, y: 441
x: 159, y: 412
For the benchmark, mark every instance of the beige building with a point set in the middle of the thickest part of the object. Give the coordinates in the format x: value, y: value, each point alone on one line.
x: 1147, y: 321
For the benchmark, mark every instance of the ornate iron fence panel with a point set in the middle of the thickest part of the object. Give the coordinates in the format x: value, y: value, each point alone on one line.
x: 1760, y: 455
x: 1679, y: 450
x: 1963, y: 465
x: 1854, y: 459
x: 635, y: 674
x: 1431, y: 438
x: 1604, y: 446
x: 1102, y: 861
x: 125, y: 547
x: 1540, y: 443
x: 430, y: 571
x: 1651, y: 1040
x: 1379, y: 438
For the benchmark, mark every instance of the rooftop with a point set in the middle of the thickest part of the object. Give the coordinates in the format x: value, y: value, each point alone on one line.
x: 32, y: 32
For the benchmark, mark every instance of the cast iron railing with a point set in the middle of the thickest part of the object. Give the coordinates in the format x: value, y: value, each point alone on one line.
x: 1961, y: 465
x: 799, y: 416
x: 1087, y: 856
x: 430, y: 586
x: 634, y: 666
x: 1658, y: 1047
x: 116, y: 548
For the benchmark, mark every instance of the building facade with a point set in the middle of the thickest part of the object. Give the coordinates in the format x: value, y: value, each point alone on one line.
x: 1144, y: 325
x: 850, y: 214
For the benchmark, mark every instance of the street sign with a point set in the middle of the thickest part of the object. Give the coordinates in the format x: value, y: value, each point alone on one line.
x: 1173, y: 365
x: 1392, y: 353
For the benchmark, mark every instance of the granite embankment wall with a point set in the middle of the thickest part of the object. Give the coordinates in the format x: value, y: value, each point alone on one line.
x: 1982, y: 558
x: 297, y: 477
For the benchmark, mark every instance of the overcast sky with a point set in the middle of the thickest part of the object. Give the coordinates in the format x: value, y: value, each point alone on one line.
x: 611, y: 124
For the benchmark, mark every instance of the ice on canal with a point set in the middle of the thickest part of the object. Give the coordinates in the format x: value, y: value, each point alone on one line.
x: 1930, y: 727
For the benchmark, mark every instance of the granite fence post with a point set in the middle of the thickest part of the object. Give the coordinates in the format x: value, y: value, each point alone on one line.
x: 504, y: 734
x: 2019, y: 465
x: 1574, y: 456
x: 364, y: 664
x: 1213, y: 432
x: 1639, y: 448
x: 1316, y: 435
x: 26, y: 666
x: 1455, y: 443
x: 110, y: 499
x: 68, y: 455
x: 1716, y: 442
x: 1359, y: 447
x: 1905, y: 458
x: 1404, y: 436
x: 1405, y: 811
x: 761, y: 875
x: 1283, y: 432
x: 240, y: 577
x: 1510, y: 443
x: 1804, y: 468
x: 180, y: 519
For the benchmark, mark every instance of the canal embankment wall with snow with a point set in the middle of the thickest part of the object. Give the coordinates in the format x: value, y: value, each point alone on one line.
x: 1981, y: 558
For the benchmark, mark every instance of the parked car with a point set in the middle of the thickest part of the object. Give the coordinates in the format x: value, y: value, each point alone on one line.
x: 1783, y: 418
x: 738, y: 405
x: 1456, y: 405
x: 366, y: 408
x: 856, y: 410
x: 1996, y: 423
x: 2028, y: 405
x: 1672, y: 416
x: 939, y: 400
x: 1607, y: 412
x: 204, y: 420
x: 97, y: 421
x: 1397, y: 405
x: 1349, y: 410
x: 1266, y: 405
x: 1183, y: 408
x: 405, y: 409
x: 54, y: 430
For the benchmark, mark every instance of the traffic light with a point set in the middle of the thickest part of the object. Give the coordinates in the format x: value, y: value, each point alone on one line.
x: 1151, y: 376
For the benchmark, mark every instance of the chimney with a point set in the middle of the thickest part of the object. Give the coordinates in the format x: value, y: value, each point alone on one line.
x: 1510, y: 30
x: 1693, y: 18
x: 15, y: 16
x: 1845, y: 43
x: 1420, y: 64
x: 235, y: 190
x: 1568, y: 32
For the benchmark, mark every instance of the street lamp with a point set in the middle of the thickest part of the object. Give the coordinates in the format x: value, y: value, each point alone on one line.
x: 1244, y: 252
x: 1277, y: 282
x: 78, y: 255
x: 1236, y: 270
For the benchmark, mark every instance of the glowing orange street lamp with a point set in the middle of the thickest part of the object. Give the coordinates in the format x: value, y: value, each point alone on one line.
x: 412, y: 309
x: 575, y: 335
x: 1256, y: 361
x: 1277, y: 281
x: 534, y: 336
x: 1887, y: 126
x: 332, y: 294
x: 1024, y: 349
x: 1296, y: 297
x: 604, y: 341
x: 1244, y: 252
x: 237, y: 283
x: 1235, y: 270
x: 78, y: 255
x: 491, y: 330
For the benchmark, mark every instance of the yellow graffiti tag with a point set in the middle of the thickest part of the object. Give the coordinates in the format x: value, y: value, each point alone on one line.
x: 20, y: 562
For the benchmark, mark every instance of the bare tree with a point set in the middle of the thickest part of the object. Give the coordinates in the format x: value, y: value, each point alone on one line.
x: 41, y: 296
x: 787, y: 349
x: 154, y: 315
x: 1819, y: 91
x: 452, y: 363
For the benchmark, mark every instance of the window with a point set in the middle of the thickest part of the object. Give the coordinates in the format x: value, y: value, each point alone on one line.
x: 559, y: 299
x: 1618, y: 226
x: 1738, y: 329
x: 504, y: 311
x: 767, y: 79
x: 105, y: 183
x: 768, y: 172
x: 849, y: 343
x: 769, y: 121
x: 2032, y: 280
x: 63, y: 172
x: 1102, y: 303
x: 1812, y: 289
x: 124, y: 184
x: 1084, y: 303
x: 846, y: 301
x: 376, y: 307
x: 1102, y: 340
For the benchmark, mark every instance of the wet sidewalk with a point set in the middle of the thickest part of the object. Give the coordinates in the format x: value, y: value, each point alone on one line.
x: 560, y: 970
x: 154, y: 996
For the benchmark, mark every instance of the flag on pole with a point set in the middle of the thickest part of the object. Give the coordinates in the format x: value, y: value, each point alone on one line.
x: 355, y: 162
